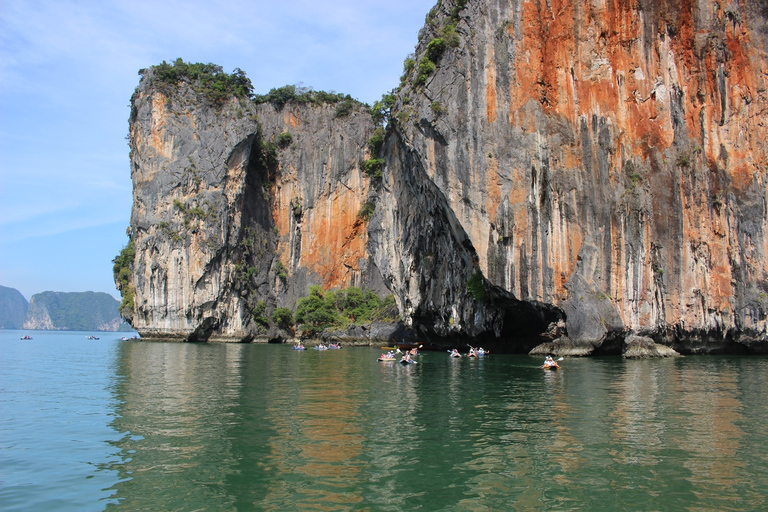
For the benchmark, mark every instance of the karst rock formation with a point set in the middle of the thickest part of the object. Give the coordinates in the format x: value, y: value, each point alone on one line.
x: 560, y: 174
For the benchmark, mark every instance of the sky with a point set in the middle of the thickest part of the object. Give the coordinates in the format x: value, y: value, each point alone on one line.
x: 67, y: 72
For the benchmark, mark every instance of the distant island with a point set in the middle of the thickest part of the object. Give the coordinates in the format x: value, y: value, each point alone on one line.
x: 13, y: 308
x: 61, y: 311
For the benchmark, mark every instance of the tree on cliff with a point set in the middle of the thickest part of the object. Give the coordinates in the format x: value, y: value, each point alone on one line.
x: 122, y: 270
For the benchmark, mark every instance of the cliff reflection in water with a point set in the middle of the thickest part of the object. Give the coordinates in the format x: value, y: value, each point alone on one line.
x: 220, y: 426
x: 249, y: 427
x: 177, y: 410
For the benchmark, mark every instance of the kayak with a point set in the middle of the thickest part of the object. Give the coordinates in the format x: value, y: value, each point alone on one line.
x: 386, y: 359
x: 551, y: 367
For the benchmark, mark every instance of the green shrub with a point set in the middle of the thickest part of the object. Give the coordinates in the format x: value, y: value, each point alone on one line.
x: 450, y: 36
x: 435, y: 49
x: 426, y: 67
x: 318, y: 310
x: 259, y: 314
x: 267, y: 160
x: 476, y: 287
x: 284, y: 139
x: 366, y: 210
x: 376, y: 142
x: 382, y: 109
x: 283, y: 317
x: 122, y: 270
x: 345, y: 108
x: 278, y: 96
x: 281, y: 271
x: 323, y: 309
x: 374, y: 167
x: 438, y: 108
x: 408, y: 65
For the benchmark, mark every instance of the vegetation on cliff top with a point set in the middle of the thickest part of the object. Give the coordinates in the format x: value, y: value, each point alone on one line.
x: 208, y: 80
x: 216, y: 86
x: 280, y: 96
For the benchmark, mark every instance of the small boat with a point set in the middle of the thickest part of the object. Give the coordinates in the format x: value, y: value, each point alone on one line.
x: 386, y: 359
x: 320, y: 347
x: 551, y: 364
x: 298, y: 347
x: 454, y: 353
x: 26, y: 337
x: 92, y: 337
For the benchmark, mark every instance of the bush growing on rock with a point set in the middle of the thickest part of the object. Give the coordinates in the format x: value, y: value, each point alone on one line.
x: 283, y: 317
x: 284, y: 139
x: 323, y: 309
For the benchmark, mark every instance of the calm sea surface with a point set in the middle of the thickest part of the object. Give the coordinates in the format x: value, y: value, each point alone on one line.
x: 132, y: 425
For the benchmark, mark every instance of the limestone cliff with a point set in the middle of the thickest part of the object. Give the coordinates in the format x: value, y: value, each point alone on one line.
x: 609, y: 157
x: 598, y: 162
x: 239, y: 208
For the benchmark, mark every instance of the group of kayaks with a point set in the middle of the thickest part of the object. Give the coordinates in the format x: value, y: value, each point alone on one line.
x: 473, y: 352
x: 408, y: 356
x: 320, y: 346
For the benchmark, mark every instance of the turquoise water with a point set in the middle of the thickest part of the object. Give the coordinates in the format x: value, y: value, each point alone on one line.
x: 113, y: 425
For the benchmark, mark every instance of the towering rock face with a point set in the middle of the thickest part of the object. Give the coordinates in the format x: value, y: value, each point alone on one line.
x: 602, y: 163
x: 238, y: 208
x: 608, y: 157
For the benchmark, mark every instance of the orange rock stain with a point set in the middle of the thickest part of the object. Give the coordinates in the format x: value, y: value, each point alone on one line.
x: 333, y: 237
